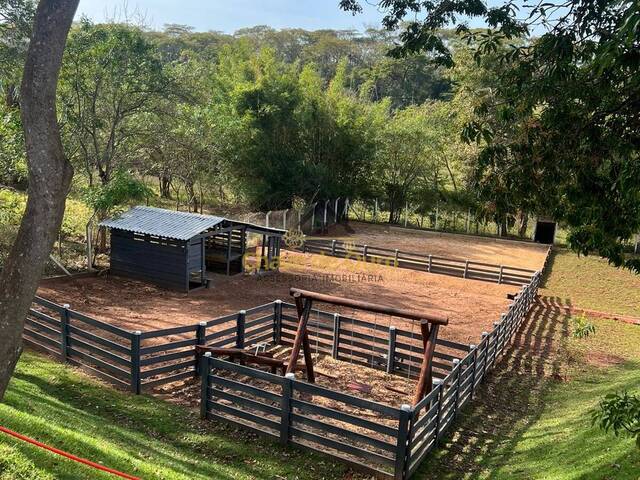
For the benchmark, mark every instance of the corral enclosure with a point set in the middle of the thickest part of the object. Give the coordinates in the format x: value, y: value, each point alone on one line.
x: 467, y: 247
x: 472, y: 306
x: 145, y: 338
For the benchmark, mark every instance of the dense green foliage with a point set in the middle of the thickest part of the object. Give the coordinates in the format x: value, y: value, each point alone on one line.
x: 260, y: 117
x: 620, y: 414
x: 559, y: 128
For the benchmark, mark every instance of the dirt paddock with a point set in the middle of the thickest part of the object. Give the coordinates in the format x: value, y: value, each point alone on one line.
x: 450, y: 245
x: 472, y: 306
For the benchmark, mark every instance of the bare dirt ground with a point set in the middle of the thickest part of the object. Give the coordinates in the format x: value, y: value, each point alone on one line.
x: 472, y: 306
x: 450, y: 245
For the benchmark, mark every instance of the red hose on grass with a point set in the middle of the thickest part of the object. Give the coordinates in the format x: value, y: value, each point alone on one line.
x: 67, y: 455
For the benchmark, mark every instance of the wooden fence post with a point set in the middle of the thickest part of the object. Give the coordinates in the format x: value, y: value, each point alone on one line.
x: 473, y: 349
x: 205, y: 369
x: 201, y: 339
x: 466, y: 269
x: 333, y: 248
x: 456, y: 395
x: 497, y: 329
x: 485, y: 336
x: 285, y: 408
x: 336, y: 335
x: 64, y: 332
x: 365, y: 251
x: 240, y: 322
x: 395, y: 259
x: 277, y: 322
x: 135, y: 362
x: 391, y: 351
x: 430, y: 263
x: 402, y: 447
x: 500, y: 274
x: 439, y: 384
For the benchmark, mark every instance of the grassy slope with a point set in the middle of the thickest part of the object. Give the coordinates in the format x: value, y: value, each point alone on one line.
x: 561, y: 443
x: 591, y: 283
x: 532, y: 420
x: 138, y: 435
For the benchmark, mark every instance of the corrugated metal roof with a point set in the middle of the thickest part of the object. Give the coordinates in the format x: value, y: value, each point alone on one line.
x: 163, y: 223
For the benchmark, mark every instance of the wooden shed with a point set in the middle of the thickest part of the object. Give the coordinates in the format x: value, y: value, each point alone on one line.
x: 175, y: 250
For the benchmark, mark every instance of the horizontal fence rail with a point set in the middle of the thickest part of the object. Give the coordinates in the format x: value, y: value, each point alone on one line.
x: 462, y: 268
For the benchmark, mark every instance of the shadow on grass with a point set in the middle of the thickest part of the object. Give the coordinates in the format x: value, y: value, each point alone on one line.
x: 509, y: 400
x: 139, y: 434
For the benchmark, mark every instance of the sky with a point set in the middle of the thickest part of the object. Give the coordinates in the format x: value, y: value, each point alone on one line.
x: 230, y: 15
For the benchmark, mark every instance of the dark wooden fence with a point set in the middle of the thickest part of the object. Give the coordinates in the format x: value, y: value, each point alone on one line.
x: 137, y: 360
x: 426, y: 263
x: 387, y: 441
x: 105, y: 350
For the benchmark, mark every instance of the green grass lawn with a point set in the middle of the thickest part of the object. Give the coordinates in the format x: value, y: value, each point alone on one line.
x: 532, y: 418
x: 140, y: 435
x: 591, y: 283
x: 561, y: 443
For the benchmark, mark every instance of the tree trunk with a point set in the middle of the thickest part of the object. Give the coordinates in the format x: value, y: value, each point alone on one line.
x: 165, y: 186
x: 49, y: 177
x: 192, y: 198
x: 524, y: 223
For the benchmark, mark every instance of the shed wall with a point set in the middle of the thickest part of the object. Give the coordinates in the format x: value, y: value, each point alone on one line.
x: 152, y: 259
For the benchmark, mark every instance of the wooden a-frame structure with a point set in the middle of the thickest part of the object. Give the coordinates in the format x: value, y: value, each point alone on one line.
x: 429, y: 326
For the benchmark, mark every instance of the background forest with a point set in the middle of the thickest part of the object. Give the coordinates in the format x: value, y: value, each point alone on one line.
x: 260, y: 117
x: 258, y: 120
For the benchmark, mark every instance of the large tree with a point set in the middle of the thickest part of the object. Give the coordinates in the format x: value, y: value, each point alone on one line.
x: 561, y: 124
x: 50, y: 176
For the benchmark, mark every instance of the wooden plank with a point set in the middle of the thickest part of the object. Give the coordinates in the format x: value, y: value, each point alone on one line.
x: 41, y: 338
x: 100, y: 324
x: 48, y: 304
x: 244, y: 401
x: 41, y: 327
x: 215, y: 408
x: 169, y: 331
x: 38, y: 346
x: 168, y: 379
x: 168, y: 346
x: 343, y: 417
x: 246, y: 388
x: 98, y: 339
x: 100, y: 374
x: 168, y: 368
x: 167, y: 357
x: 341, y: 447
x: 45, y: 318
x: 351, y: 435
x: 113, y: 369
x: 250, y: 372
x: 76, y: 342
x: 347, y: 399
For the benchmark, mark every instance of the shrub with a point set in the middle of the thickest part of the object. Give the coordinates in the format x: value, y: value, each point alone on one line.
x: 620, y: 413
x: 582, y: 327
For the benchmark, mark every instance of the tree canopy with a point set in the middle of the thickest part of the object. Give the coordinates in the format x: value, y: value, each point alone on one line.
x: 560, y: 129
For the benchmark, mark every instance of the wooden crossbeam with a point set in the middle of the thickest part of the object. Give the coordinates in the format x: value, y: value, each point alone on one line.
x: 425, y: 379
x: 301, y: 340
x: 429, y: 327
